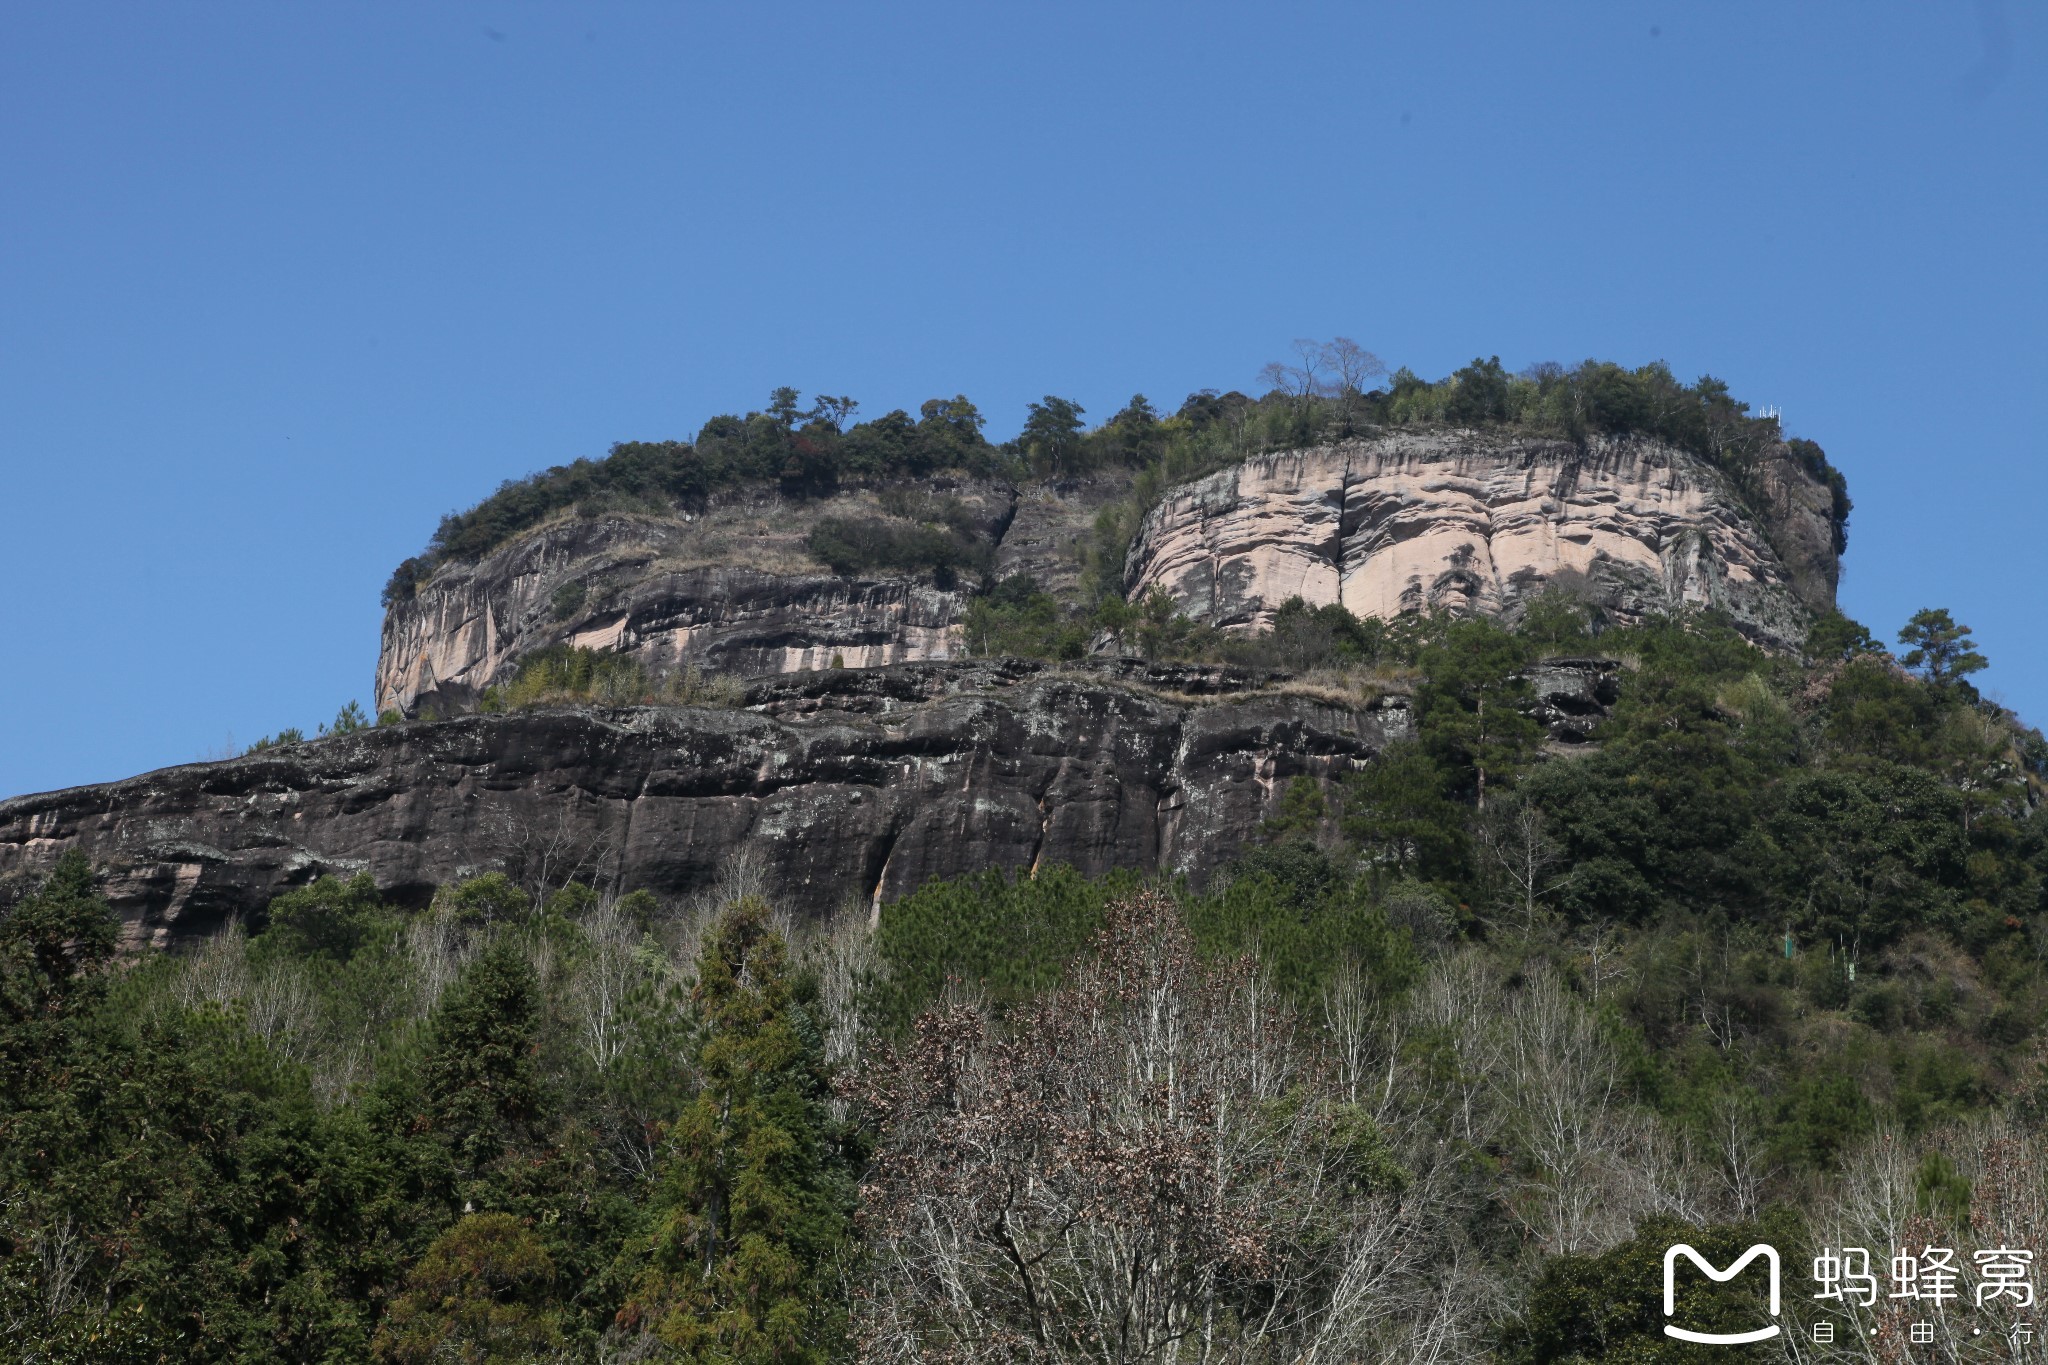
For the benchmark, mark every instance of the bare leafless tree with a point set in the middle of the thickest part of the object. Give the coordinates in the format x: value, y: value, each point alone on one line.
x: 217, y: 971
x: 62, y: 1254
x: 1139, y: 1167
x: 437, y: 948
x: 1741, y: 1160
x: 284, y: 1010
x: 1517, y: 841
x: 1600, y: 947
x: 545, y: 852
x: 1305, y: 377
x: 611, y: 966
x: 842, y: 953
x: 1558, y: 1084
x: 1459, y: 1003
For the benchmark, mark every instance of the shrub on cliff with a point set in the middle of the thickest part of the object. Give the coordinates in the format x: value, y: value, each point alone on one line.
x: 857, y: 545
x: 1323, y: 397
x: 562, y: 675
x: 804, y: 452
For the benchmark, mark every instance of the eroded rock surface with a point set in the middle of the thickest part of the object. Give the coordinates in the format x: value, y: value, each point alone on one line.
x: 1476, y: 521
x: 730, y: 589
x: 850, y: 785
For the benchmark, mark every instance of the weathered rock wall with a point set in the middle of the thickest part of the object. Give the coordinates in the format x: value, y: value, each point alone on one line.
x: 1479, y: 521
x: 848, y: 785
x: 730, y: 589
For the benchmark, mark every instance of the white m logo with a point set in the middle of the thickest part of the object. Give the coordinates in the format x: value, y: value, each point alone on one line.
x: 1769, y: 1253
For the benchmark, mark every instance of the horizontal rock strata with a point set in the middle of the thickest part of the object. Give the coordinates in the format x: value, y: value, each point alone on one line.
x: 848, y: 786
x: 730, y: 588
x: 1479, y: 521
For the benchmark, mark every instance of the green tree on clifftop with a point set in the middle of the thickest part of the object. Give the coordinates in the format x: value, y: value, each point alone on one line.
x: 1942, y: 650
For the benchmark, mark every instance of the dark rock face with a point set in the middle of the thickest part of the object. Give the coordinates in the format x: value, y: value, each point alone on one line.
x: 1573, y: 696
x: 849, y: 785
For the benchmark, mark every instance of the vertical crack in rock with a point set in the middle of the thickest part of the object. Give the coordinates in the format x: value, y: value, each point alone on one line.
x: 881, y: 875
x: 1045, y: 812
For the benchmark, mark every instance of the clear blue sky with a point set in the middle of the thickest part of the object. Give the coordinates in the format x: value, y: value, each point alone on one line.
x: 281, y: 284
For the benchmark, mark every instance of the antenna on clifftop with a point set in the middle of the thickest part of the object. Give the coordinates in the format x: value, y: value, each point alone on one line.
x: 1773, y: 411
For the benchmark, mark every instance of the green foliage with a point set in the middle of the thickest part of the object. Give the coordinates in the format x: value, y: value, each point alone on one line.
x: 1303, y: 811
x: 805, y: 452
x: 1835, y: 636
x: 209, y: 1212
x: 479, y: 1085
x: 1016, y: 617
x: 330, y: 920
x: 1608, y: 1309
x: 54, y: 945
x: 568, y: 599
x: 571, y: 674
x: 1941, y: 649
x: 1302, y: 637
x: 1868, y: 854
x: 1820, y: 1116
x: 1940, y: 1191
x: 1398, y: 812
x: 856, y: 545
x: 1291, y: 908
x: 746, y: 1221
x: 1473, y: 706
x: 1814, y: 461
x: 1051, y: 438
x: 482, y: 901
x: 1007, y: 936
x: 1560, y: 619
x: 482, y: 1294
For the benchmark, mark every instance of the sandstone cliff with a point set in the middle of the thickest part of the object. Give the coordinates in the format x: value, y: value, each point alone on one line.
x: 1480, y: 520
x: 730, y: 589
x: 1402, y: 521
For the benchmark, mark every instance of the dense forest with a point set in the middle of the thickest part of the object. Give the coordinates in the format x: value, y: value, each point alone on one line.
x: 1433, y: 1074
x: 1328, y: 391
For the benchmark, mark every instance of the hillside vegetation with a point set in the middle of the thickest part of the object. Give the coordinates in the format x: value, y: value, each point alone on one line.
x: 1434, y: 1074
x: 1329, y: 391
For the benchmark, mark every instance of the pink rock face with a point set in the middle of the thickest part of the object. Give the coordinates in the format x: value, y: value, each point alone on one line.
x: 1471, y: 521
x: 732, y: 591
x: 471, y: 626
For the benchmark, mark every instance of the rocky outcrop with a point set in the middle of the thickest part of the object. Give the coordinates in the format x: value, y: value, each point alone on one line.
x: 848, y: 785
x: 730, y: 588
x: 1477, y: 521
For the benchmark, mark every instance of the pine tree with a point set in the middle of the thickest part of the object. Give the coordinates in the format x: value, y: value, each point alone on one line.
x: 1942, y: 649
x: 481, y: 1090
x: 54, y: 949
x: 730, y: 1268
x: 1472, y: 707
x: 480, y: 1294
